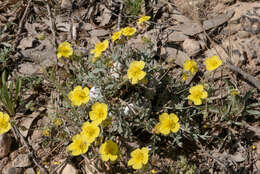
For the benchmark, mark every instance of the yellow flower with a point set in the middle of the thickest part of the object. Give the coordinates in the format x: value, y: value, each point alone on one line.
x: 197, y: 93
x: 57, y: 121
x: 79, y: 96
x: 157, y: 128
x: 234, y: 92
x: 98, y: 113
x: 143, y: 19
x: 253, y: 147
x: 212, y: 63
x: 116, y: 35
x: 128, y: 31
x: 99, y: 48
x: 135, y: 72
x: 185, y: 76
x: 108, y: 151
x: 79, y: 145
x: 90, y: 131
x: 65, y: 50
x: 46, y: 132
x: 139, y: 157
x: 191, y: 66
x: 154, y: 171
x: 5, y: 125
x: 168, y: 123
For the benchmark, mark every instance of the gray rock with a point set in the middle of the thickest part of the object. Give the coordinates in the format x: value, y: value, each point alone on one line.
x: 15, y: 170
x: 191, y: 46
x: 22, y: 160
x: 29, y: 171
x: 69, y: 169
x: 5, y: 145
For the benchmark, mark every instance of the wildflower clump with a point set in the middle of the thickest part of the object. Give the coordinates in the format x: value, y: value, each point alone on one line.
x: 116, y: 35
x: 79, y: 96
x: 142, y: 19
x: 139, y: 157
x: 90, y: 131
x: 98, y: 113
x: 64, y: 50
x: 79, y: 145
x: 212, y: 63
x: 128, y: 31
x: 5, y: 125
x: 99, y: 49
x: 135, y: 72
x: 197, y: 93
x: 168, y: 123
x: 108, y: 151
x: 191, y: 66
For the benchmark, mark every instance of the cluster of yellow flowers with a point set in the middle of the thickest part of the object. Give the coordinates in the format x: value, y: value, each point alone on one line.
x: 5, y: 125
x: 90, y: 130
x: 190, y: 66
x: 197, y: 93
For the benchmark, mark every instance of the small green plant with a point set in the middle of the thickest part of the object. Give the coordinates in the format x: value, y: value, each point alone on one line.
x: 9, y: 94
x: 4, y: 57
x: 133, y: 7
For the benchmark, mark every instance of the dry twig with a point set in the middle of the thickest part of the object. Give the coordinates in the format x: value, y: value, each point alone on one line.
x: 53, y: 27
x: 21, y: 24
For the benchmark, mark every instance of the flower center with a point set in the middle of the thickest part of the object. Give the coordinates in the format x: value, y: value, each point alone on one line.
x: 109, y: 149
x: 197, y: 94
x: 214, y: 63
x: 136, y: 71
x: 139, y: 157
x: 81, y: 95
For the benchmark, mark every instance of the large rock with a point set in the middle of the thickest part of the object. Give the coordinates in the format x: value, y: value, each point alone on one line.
x: 5, y: 145
x: 191, y: 46
x: 22, y: 160
x: 69, y: 169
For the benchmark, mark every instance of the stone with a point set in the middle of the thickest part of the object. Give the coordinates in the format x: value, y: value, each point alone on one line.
x: 69, y: 169
x: 5, y: 145
x: 3, y: 163
x: 22, y: 160
x: 15, y: 170
x: 172, y: 53
x: 29, y: 171
x: 191, y: 46
x: 66, y: 4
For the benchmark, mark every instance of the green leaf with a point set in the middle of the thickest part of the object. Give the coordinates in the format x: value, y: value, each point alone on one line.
x: 248, y: 95
x: 18, y: 88
x: 253, y: 112
x: 10, y: 91
x: 253, y: 105
x: 3, y: 78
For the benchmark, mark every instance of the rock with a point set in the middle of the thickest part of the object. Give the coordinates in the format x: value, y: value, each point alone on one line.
x: 174, y: 36
x: 66, y: 4
x: 194, y: 28
x: 44, y: 53
x: 29, y: 171
x: 29, y: 69
x: 5, y: 145
x: 243, y: 34
x: 172, y: 53
x: 3, y: 163
x: 69, y: 169
x: 22, y: 160
x: 15, y: 170
x: 191, y: 46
